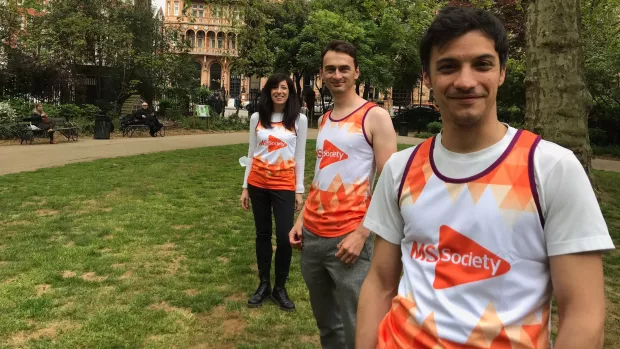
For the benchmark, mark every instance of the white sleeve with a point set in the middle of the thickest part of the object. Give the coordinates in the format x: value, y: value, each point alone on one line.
x: 573, y: 219
x: 300, y: 153
x: 251, y: 147
x: 383, y: 216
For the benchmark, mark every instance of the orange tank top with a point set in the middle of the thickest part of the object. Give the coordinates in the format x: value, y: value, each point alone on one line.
x: 273, y: 164
x: 344, y: 173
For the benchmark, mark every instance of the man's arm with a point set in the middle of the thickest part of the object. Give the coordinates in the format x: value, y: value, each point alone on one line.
x: 381, y: 134
x: 378, y: 290
x: 578, y: 284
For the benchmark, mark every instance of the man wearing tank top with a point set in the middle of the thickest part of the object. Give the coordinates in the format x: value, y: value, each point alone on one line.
x: 485, y: 222
x: 355, y: 139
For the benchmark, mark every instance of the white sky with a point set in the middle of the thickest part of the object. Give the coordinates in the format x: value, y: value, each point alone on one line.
x: 159, y: 3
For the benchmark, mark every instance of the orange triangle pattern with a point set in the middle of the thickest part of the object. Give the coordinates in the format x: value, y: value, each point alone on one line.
x: 354, y: 122
x: 277, y: 176
x: 400, y: 329
x: 340, y: 204
x: 419, y: 172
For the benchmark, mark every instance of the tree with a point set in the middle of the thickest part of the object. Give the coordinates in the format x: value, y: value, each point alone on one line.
x: 557, y: 99
x: 255, y: 58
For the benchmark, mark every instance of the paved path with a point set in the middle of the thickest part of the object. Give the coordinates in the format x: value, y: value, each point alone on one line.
x: 19, y: 158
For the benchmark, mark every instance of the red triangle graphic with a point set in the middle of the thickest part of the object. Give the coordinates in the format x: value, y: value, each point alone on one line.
x: 330, y: 154
x: 274, y: 144
x: 462, y: 260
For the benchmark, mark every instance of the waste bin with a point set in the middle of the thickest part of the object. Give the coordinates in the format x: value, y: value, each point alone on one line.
x: 404, y: 129
x: 103, y: 127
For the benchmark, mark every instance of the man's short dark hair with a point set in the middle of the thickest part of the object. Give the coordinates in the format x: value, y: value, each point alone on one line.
x: 452, y: 22
x: 342, y: 47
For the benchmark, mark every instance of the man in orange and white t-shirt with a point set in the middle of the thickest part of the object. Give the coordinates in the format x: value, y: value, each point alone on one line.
x: 485, y: 221
x: 354, y: 141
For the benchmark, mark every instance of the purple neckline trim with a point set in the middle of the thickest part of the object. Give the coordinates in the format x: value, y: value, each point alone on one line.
x: 479, y: 175
x: 346, y: 117
x: 406, y: 172
x: 364, y: 127
x: 530, y: 166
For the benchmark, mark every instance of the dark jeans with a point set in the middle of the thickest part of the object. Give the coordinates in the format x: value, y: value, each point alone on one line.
x: 46, y: 126
x: 283, y: 204
x: 153, y: 124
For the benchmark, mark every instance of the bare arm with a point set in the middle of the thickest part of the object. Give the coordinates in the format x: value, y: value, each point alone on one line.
x: 381, y: 134
x: 579, y: 290
x: 378, y: 290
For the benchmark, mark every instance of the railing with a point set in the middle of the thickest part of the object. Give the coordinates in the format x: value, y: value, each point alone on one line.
x: 214, y: 51
x: 198, y: 20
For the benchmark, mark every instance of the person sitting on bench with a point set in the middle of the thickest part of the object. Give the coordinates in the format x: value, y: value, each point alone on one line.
x: 147, y: 117
x: 42, y: 121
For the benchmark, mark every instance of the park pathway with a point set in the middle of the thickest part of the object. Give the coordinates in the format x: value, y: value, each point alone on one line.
x: 19, y: 158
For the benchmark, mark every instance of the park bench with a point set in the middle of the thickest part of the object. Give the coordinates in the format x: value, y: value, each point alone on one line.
x: 128, y: 129
x: 26, y: 132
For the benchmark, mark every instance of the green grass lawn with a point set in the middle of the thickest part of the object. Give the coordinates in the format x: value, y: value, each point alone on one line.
x: 154, y: 251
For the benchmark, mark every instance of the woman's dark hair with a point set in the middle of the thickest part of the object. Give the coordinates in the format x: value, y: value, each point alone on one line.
x: 265, y: 104
x: 452, y: 22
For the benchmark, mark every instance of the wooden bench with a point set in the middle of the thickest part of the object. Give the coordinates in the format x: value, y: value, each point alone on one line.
x: 131, y: 128
x: 26, y: 132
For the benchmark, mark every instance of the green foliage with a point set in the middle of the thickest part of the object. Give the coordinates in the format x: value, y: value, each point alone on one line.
x: 511, y: 95
x: 434, y: 127
x: 7, y: 113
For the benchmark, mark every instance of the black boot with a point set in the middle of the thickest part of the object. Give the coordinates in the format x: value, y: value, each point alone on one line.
x: 262, y: 293
x: 280, y: 296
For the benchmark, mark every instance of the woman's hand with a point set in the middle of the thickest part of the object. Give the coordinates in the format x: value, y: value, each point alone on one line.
x: 245, y: 199
x: 299, y: 202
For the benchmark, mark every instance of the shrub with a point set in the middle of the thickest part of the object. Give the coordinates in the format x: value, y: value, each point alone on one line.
x: 434, y: 127
x: 7, y: 113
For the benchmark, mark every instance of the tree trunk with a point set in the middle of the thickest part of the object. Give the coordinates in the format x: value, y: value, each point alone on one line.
x: 366, y: 90
x: 297, y: 77
x: 557, y: 99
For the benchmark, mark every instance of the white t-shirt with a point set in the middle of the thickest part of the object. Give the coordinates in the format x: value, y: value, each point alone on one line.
x: 573, y: 219
x: 301, y: 127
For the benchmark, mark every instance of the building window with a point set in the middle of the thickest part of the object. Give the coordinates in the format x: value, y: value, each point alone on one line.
x: 198, y: 10
x: 176, y: 8
x: 168, y: 9
x: 201, y: 39
x: 211, y: 36
x: 236, y: 12
x: 217, y: 11
x: 220, y: 40
x: 232, y: 41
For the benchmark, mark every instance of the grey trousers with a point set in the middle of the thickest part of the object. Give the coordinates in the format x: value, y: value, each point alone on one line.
x: 334, y: 287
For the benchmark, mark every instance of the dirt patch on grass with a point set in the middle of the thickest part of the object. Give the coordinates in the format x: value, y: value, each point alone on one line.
x: 229, y: 323
x: 127, y: 275
x: 175, y: 265
x: 92, y: 277
x: 107, y: 209
x: 192, y: 292
x: 166, y: 247
x: 70, y: 244
x: 105, y: 250
x: 119, y: 265
x: 43, y: 289
x: 50, y: 331
x: 113, y: 194
x: 310, y: 339
x: 223, y: 259
x: 237, y: 297
x: 3, y: 263
x: 68, y: 274
x: 14, y: 223
x: 169, y: 308
x: 45, y: 212
x: 38, y: 201
x: 9, y: 281
x: 182, y: 227
x: 109, y: 237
